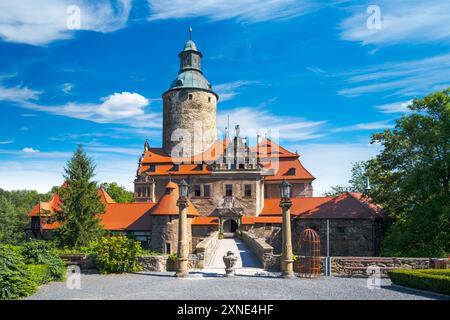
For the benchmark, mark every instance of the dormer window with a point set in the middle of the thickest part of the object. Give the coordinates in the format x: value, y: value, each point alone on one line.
x: 152, y: 168
x: 176, y: 167
x: 292, y: 171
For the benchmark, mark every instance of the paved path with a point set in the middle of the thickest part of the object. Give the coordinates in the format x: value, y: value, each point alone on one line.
x: 164, y: 286
x: 246, y: 259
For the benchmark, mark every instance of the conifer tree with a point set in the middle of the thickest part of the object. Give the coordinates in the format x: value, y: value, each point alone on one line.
x: 80, y: 202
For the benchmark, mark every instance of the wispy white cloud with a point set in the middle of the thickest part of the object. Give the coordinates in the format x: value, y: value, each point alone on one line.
x: 229, y: 90
x: 124, y: 108
x: 18, y: 94
x: 29, y: 150
x: 408, y: 21
x: 258, y: 120
x: 243, y: 10
x: 41, y: 22
x: 7, y: 141
x: 406, y: 78
x: 331, y: 163
x: 396, y: 107
x: 377, y: 125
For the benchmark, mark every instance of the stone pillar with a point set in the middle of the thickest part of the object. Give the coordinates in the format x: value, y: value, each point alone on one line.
x: 183, y: 242
x: 287, y: 270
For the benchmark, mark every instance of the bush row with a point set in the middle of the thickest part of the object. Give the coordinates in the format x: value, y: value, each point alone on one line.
x: 436, y: 280
x: 24, y: 269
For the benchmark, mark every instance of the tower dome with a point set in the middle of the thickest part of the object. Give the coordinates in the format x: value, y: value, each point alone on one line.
x: 189, y: 112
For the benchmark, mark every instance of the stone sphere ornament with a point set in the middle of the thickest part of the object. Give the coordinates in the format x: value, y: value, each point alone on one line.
x: 230, y: 260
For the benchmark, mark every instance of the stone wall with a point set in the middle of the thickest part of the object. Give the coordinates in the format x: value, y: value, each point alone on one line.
x: 270, y: 233
x: 165, y: 230
x: 299, y: 189
x: 348, y: 237
x: 186, y: 109
x: 261, y: 249
x: 207, y: 205
x: 205, y: 248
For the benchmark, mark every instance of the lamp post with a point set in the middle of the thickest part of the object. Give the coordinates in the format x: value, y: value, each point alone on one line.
x: 182, y: 254
x: 287, y: 270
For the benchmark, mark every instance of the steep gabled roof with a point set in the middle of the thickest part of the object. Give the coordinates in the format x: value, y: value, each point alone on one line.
x: 345, y: 206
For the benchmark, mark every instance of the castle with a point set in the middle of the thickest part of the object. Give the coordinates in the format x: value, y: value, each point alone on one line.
x: 233, y: 185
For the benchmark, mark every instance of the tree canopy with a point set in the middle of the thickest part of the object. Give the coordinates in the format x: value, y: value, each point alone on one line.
x: 118, y: 192
x: 80, y: 202
x: 357, y: 182
x: 410, y: 179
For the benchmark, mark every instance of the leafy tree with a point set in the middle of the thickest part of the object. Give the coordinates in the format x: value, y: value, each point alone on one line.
x: 117, y: 192
x: 80, y: 203
x: 410, y: 179
x: 357, y: 182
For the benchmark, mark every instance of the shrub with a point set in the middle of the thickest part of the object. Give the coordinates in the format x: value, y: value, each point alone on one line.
x: 16, y: 281
x: 117, y: 254
x: 44, y: 252
x: 40, y: 273
x: 436, y: 280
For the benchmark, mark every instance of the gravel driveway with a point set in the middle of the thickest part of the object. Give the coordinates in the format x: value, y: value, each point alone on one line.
x: 153, y: 285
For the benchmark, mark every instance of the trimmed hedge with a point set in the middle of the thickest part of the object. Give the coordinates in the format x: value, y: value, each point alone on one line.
x: 436, y: 280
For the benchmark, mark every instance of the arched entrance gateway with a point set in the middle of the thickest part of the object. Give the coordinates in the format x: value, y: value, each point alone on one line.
x: 230, y: 226
x: 229, y: 217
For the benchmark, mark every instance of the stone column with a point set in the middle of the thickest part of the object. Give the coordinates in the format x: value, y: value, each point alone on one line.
x: 183, y: 242
x: 287, y: 270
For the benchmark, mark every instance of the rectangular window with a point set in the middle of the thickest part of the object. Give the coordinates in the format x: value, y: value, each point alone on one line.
x: 340, y: 231
x: 206, y: 190
x: 190, y: 96
x: 176, y: 167
x: 248, y: 190
x: 152, y: 168
x: 197, y: 190
x: 229, y: 190
x: 168, y: 248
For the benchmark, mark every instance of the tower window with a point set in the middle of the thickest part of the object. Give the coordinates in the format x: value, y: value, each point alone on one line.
x: 229, y: 190
x: 248, y: 190
x: 197, y: 190
x: 209, y: 99
x: 206, y: 190
x: 340, y: 231
x: 168, y: 248
x: 292, y: 171
x: 190, y: 96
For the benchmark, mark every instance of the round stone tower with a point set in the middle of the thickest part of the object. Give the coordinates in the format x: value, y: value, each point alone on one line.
x: 189, y: 112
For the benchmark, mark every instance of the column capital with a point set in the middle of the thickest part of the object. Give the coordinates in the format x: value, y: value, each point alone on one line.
x: 285, y: 203
x: 182, y: 203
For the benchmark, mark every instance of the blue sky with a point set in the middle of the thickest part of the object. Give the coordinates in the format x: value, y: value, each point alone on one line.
x: 312, y: 69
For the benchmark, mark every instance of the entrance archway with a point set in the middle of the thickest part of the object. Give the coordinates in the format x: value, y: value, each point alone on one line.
x: 230, y: 226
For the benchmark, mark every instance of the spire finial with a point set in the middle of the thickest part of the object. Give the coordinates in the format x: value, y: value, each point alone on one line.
x: 190, y: 33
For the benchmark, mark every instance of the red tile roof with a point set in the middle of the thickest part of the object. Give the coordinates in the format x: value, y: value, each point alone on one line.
x: 299, y: 205
x: 205, y: 221
x: 167, y: 204
x: 345, y: 206
x: 279, y: 170
x: 276, y: 159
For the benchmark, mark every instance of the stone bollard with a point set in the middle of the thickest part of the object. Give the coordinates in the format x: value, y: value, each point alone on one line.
x: 230, y: 260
